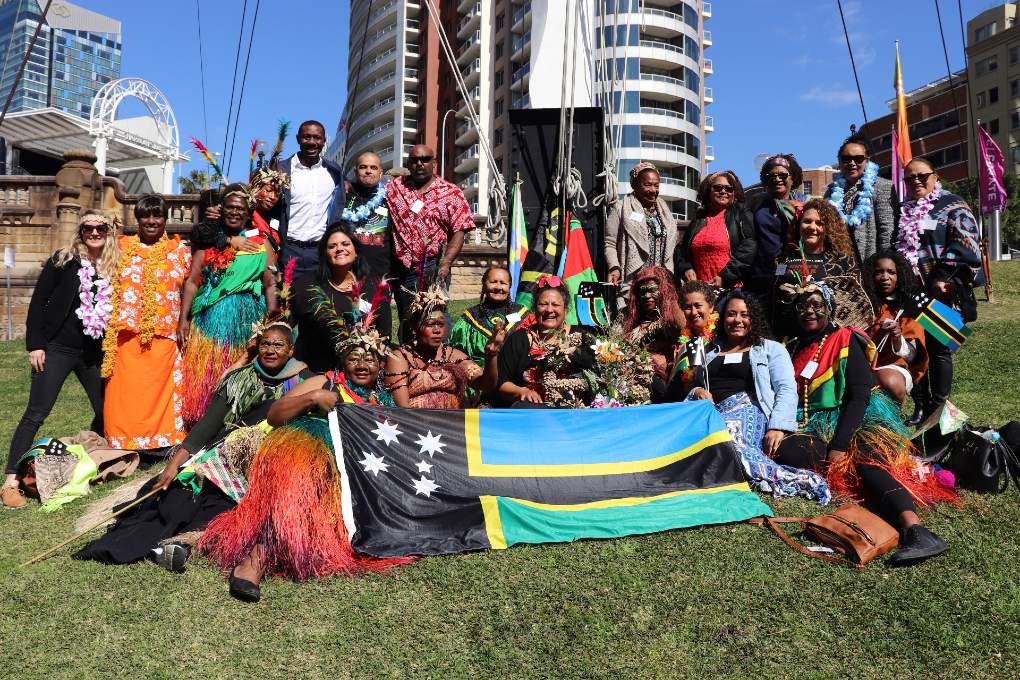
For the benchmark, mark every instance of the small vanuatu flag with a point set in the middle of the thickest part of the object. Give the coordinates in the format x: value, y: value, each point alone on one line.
x: 590, y: 304
x: 433, y: 482
x: 940, y: 320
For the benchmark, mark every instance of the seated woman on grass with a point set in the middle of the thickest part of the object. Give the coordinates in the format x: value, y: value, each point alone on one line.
x: 541, y: 364
x: 750, y: 380
x: 242, y: 398
x: 899, y: 339
x: 853, y: 433
x: 289, y: 523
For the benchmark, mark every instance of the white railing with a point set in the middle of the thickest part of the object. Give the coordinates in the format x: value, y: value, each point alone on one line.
x: 468, y: 154
x: 661, y: 46
x: 662, y: 112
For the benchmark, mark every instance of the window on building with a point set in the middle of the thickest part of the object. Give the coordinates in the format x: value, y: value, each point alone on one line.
x: 987, y: 65
x: 991, y: 126
x: 497, y: 137
x: 497, y: 110
x: 985, y: 32
x: 1014, y: 54
x: 500, y: 18
x: 993, y: 95
x: 1014, y: 152
x: 499, y: 50
x: 1014, y: 87
x: 980, y: 99
x: 497, y: 80
x: 808, y: 187
x: 1014, y: 120
x: 943, y: 121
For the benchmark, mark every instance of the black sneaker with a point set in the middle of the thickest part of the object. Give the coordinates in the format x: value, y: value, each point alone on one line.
x: 172, y: 557
x: 918, y: 545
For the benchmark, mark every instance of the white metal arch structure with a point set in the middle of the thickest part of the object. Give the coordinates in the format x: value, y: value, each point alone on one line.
x: 104, y: 112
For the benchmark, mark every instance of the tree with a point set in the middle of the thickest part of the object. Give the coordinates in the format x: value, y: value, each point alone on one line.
x: 967, y: 189
x: 196, y: 182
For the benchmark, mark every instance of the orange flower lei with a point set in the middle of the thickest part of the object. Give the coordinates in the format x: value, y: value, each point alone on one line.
x: 154, y: 258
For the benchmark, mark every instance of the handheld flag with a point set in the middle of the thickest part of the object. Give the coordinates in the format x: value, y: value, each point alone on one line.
x: 590, y: 304
x: 200, y: 147
x: 518, y: 240
x: 434, y: 482
x: 940, y: 320
x: 576, y: 266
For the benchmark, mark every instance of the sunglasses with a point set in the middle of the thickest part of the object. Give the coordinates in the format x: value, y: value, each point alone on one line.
x: 778, y: 175
x: 920, y: 178
x: 414, y: 160
x: 856, y: 160
x: 722, y: 188
x: 101, y: 229
x: 549, y: 282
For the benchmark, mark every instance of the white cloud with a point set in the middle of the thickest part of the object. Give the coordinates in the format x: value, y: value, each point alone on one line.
x: 833, y: 97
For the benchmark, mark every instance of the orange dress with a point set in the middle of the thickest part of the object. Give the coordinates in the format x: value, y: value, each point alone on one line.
x: 143, y: 402
x: 911, y: 331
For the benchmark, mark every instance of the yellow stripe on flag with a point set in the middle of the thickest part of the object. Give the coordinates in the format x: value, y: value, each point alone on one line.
x: 493, y: 524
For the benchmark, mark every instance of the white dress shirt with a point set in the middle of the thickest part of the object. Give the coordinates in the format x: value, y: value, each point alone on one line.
x: 310, y: 191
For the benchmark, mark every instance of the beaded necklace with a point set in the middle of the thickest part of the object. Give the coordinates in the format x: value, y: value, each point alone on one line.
x: 806, y: 380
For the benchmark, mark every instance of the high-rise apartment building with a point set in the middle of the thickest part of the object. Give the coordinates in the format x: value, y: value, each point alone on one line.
x: 655, y: 50
x: 76, y: 53
x: 993, y: 75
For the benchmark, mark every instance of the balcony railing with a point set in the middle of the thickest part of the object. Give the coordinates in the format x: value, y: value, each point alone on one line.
x: 708, y: 67
x: 708, y: 95
x: 709, y: 153
x: 472, y: 68
x: 647, y: 144
x: 469, y: 153
x: 411, y: 73
x: 471, y: 41
x: 654, y: 11
x: 661, y: 78
x: 654, y: 110
x: 469, y: 182
x: 521, y: 72
x: 657, y: 44
x: 706, y: 39
x: 522, y: 102
x: 520, y: 13
x: 520, y: 41
x: 377, y: 59
x: 709, y: 124
x: 470, y: 16
x: 706, y: 10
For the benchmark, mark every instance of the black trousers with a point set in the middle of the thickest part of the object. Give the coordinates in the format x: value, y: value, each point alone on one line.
x: 44, y: 390
x: 933, y: 389
x: 305, y: 252
x: 889, y: 497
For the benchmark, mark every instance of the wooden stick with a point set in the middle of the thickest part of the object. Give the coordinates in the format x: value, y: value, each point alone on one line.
x: 987, y: 267
x: 81, y: 533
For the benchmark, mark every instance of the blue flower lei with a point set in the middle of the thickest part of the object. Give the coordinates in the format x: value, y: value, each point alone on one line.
x: 864, y: 203
x: 365, y: 210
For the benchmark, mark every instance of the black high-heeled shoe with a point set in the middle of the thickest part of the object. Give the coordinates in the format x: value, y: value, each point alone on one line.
x: 244, y: 590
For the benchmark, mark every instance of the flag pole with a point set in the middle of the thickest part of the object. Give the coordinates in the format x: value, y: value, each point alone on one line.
x: 986, y: 266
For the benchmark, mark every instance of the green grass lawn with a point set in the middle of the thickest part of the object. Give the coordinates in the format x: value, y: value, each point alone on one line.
x: 725, y: 601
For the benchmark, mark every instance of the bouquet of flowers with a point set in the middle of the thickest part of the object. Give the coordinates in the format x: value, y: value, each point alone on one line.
x: 623, y: 371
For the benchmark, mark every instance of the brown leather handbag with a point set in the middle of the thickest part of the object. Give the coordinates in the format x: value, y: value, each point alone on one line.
x: 857, y: 534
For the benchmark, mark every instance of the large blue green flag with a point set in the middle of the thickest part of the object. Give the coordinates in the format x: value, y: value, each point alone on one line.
x: 431, y: 482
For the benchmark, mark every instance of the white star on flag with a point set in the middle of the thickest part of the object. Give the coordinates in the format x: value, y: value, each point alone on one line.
x: 430, y: 444
x: 424, y: 467
x: 424, y: 486
x: 374, y: 464
x: 386, y: 432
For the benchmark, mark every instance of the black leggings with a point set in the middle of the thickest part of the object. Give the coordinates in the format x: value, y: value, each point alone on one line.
x: 933, y: 388
x: 43, y: 393
x: 809, y: 452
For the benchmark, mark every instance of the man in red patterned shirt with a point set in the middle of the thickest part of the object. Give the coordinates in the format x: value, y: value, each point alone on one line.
x: 430, y: 217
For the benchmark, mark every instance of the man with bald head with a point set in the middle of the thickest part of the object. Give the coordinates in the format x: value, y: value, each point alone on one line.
x: 367, y: 217
x: 430, y: 217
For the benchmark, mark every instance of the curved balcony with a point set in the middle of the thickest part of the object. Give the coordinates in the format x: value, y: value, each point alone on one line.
x: 469, y: 185
x: 470, y: 48
x: 708, y: 95
x: 379, y: 14
x: 661, y: 121
x: 376, y: 87
x: 662, y: 154
x: 662, y: 85
x: 521, y: 18
x: 375, y: 67
x: 465, y: 134
x: 658, y: 54
x: 378, y: 41
x: 475, y: 95
x: 468, y: 160
x: 471, y: 72
x: 672, y: 190
x: 709, y: 124
x: 662, y: 23
x: 471, y: 21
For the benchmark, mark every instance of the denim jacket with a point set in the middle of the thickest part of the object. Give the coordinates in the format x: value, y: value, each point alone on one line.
x: 775, y: 386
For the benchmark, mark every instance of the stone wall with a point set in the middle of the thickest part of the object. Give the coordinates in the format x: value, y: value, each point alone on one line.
x: 38, y: 215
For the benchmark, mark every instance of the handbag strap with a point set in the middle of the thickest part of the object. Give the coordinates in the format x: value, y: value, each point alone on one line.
x: 774, y: 522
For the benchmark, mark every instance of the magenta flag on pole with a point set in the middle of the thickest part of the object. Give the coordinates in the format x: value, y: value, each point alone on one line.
x: 992, y: 190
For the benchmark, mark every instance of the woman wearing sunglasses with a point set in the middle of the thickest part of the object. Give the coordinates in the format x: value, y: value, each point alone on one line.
x: 719, y: 247
x: 67, y: 317
x: 774, y: 216
x: 939, y: 237
x: 540, y: 364
x: 850, y: 432
x: 865, y: 201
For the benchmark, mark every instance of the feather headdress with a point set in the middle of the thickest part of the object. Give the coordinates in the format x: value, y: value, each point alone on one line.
x: 251, y: 155
x: 353, y: 329
x: 426, y: 301
x: 281, y: 137
x: 200, y: 147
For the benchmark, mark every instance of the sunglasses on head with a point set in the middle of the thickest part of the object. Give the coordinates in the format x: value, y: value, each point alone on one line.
x: 549, y: 282
x: 857, y: 160
x: 414, y: 160
x: 920, y: 178
x: 722, y: 188
x: 101, y: 229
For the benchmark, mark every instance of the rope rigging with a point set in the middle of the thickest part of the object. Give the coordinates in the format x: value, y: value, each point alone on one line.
x: 201, y: 70
x: 497, y: 188
x: 853, y: 65
x: 352, y: 90
x: 949, y: 73
x: 244, y: 80
x: 24, y: 61
x: 237, y: 62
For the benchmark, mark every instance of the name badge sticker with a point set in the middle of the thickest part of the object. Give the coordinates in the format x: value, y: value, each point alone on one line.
x: 251, y: 233
x: 809, y: 369
x: 733, y: 358
x: 780, y: 269
x: 382, y: 211
x: 417, y: 206
x: 637, y: 217
x: 929, y: 224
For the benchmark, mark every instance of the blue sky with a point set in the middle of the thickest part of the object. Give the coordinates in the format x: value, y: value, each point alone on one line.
x: 783, y: 82
x: 297, y: 70
x: 782, y: 79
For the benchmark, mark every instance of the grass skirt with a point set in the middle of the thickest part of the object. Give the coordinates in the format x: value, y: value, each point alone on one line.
x: 292, y: 509
x: 881, y: 440
x: 219, y: 337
